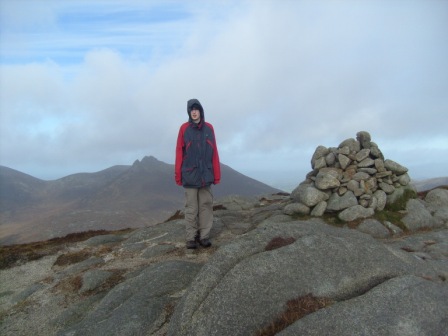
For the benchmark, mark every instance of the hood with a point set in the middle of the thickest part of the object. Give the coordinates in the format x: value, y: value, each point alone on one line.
x: 190, y: 104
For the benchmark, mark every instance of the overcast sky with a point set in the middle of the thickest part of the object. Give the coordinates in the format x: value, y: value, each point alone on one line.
x: 87, y: 84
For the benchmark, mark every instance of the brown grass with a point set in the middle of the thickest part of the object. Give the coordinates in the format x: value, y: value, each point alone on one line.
x: 12, y: 255
x: 295, y: 310
x: 72, y: 258
x: 278, y: 242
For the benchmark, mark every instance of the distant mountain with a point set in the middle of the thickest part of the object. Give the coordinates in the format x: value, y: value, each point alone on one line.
x: 118, y: 197
x: 429, y: 184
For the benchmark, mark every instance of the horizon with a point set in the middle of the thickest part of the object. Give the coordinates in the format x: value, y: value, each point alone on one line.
x: 288, y: 187
x: 91, y: 84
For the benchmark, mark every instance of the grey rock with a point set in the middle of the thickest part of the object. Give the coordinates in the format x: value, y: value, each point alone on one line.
x: 362, y: 154
x: 398, y: 193
x: 337, y: 203
x: 319, y: 163
x: 321, y: 151
x: 441, y: 216
x: 375, y: 151
x: 83, y: 265
x: 379, y: 165
x: 404, y: 179
x: 418, y: 217
x: 344, y: 161
x: 75, y: 313
x: 237, y: 203
x: 296, y: 208
x: 352, y: 144
x: 401, y: 306
x: 137, y: 306
x: 353, y: 185
x: 368, y: 162
x: 93, y: 279
x: 387, y: 188
x: 239, y: 227
x: 243, y: 274
x: 364, y: 139
x: 170, y: 231
x: 374, y: 228
x: 355, y: 212
x: 330, y: 159
x: 395, y: 167
x: 437, y: 197
x: 308, y: 195
x: 319, y: 209
x: 318, y: 158
x: 370, y: 171
x: 345, y: 150
x: 342, y: 190
x: 27, y: 292
x: 104, y: 239
x: 373, y: 203
x: 359, y: 176
x: 370, y: 185
x: 327, y: 179
x: 383, y: 174
x: 157, y: 250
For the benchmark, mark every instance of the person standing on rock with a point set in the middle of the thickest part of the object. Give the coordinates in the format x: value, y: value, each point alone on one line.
x: 197, y: 167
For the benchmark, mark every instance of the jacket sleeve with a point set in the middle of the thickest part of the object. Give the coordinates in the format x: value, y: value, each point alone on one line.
x: 215, y: 159
x: 179, y: 156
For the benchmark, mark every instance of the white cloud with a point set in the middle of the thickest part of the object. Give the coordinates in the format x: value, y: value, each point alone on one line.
x: 276, y: 78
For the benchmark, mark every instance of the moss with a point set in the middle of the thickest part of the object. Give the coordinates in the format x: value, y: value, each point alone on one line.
x: 391, y: 216
x: 401, y: 201
x: 333, y: 219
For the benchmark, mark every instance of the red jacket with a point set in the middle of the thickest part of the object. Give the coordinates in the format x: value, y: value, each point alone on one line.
x: 197, y: 159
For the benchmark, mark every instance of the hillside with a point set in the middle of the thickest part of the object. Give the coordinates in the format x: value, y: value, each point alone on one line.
x: 431, y: 183
x: 138, y: 195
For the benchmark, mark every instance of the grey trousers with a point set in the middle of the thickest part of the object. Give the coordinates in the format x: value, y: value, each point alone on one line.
x: 198, y: 212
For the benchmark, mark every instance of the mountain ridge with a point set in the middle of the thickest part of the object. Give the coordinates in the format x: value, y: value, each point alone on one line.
x: 117, y: 197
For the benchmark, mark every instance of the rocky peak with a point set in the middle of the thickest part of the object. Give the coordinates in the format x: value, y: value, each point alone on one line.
x: 147, y: 161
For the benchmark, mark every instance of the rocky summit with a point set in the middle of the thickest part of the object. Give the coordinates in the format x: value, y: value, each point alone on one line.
x: 268, y: 272
x: 352, y: 179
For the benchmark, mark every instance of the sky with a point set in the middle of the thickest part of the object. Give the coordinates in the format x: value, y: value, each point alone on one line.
x: 88, y: 84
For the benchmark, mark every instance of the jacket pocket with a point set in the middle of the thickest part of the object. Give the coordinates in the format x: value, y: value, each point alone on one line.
x: 191, y: 177
x: 209, y: 176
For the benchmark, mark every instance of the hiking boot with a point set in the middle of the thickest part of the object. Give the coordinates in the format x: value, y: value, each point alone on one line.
x: 205, y: 242
x: 197, y: 238
x: 191, y: 244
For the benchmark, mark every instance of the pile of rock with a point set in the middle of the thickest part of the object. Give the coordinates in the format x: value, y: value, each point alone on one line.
x: 353, y: 178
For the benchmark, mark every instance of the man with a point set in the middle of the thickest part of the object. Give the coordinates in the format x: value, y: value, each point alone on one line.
x: 196, y: 169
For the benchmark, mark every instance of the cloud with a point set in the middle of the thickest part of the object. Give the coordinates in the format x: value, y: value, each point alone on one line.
x: 276, y: 78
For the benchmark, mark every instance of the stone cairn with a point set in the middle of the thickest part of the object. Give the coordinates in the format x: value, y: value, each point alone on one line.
x: 353, y: 179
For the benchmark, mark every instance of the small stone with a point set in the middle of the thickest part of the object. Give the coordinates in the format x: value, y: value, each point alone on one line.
x: 355, y: 212
x: 319, y: 209
x: 387, y: 188
x: 366, y: 163
x: 363, y: 138
x: 362, y: 154
x: 296, y: 208
x: 395, y: 167
x: 344, y: 161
